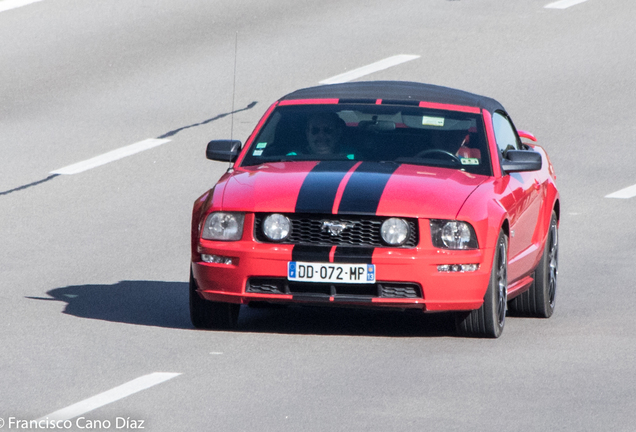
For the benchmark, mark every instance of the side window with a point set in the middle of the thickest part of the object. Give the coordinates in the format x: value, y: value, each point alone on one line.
x: 504, y: 134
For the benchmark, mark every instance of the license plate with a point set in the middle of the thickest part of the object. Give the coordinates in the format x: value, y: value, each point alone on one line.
x: 330, y: 272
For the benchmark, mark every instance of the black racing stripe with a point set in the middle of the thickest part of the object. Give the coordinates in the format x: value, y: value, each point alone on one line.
x: 319, y: 188
x: 353, y: 255
x: 364, y: 189
x: 311, y: 253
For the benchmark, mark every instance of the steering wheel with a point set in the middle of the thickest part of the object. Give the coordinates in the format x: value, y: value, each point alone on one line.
x: 451, y: 156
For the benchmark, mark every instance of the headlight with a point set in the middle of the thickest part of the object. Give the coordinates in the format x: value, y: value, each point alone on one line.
x: 276, y: 227
x: 394, y: 231
x: 223, y: 226
x: 450, y: 234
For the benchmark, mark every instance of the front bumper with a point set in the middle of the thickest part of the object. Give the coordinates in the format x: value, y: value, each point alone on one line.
x: 406, y: 278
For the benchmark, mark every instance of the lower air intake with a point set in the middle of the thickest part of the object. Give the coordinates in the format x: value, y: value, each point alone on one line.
x: 379, y: 289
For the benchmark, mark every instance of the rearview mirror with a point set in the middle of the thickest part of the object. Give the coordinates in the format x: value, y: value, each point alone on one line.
x: 521, y: 160
x: 223, y: 150
x: 377, y: 125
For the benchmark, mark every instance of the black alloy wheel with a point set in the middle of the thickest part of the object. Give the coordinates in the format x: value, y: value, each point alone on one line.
x: 539, y: 300
x: 490, y: 318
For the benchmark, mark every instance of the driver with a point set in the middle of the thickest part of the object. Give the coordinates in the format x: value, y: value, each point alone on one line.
x: 323, y: 133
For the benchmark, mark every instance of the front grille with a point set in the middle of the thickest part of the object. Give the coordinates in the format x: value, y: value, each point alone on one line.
x: 307, y: 230
x: 379, y: 289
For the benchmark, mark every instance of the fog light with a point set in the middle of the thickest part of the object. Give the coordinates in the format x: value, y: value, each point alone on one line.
x: 394, y: 231
x: 461, y: 268
x: 216, y: 259
x: 276, y: 227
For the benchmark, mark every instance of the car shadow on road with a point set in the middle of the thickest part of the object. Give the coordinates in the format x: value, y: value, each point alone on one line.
x: 151, y: 303
x: 345, y: 321
x: 165, y: 304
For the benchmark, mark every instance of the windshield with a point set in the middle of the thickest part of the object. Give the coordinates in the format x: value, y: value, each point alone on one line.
x: 378, y: 133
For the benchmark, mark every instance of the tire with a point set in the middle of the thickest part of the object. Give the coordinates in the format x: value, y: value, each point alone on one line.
x: 539, y: 300
x: 490, y: 318
x: 209, y: 315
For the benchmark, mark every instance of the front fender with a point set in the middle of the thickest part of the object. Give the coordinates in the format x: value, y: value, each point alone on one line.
x: 485, y: 210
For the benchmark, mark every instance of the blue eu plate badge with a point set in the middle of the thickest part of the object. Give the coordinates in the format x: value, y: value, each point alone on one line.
x: 370, y: 272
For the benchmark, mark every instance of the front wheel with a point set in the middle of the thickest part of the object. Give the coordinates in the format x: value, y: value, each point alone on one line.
x: 489, y: 319
x: 539, y: 300
x: 210, y: 315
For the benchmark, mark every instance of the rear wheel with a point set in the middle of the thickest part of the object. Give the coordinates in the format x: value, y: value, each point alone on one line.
x: 489, y: 319
x: 539, y: 300
x: 205, y: 314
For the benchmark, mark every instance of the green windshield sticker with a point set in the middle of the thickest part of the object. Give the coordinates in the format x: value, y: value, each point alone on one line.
x: 433, y: 121
x: 261, y: 145
x: 469, y: 161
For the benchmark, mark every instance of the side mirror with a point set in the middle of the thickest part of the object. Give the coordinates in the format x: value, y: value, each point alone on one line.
x: 521, y: 160
x: 223, y: 150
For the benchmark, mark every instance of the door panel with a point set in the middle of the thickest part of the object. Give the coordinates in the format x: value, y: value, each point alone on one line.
x: 524, y: 211
x: 524, y: 216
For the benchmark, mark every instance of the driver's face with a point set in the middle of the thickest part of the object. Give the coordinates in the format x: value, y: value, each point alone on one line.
x: 322, y: 135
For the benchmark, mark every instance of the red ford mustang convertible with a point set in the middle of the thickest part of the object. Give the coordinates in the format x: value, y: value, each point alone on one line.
x: 380, y: 194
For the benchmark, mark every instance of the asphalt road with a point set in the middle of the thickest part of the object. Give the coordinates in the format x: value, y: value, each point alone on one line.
x: 94, y: 265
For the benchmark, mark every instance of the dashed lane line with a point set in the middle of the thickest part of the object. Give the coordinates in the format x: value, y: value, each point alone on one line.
x: 150, y: 143
x: 369, y: 69
x: 111, y: 156
x: 628, y: 192
x: 6, y: 5
x: 110, y: 396
x: 119, y: 153
x: 563, y: 4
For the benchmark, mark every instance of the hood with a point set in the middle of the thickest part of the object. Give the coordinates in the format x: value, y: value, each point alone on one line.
x: 349, y: 187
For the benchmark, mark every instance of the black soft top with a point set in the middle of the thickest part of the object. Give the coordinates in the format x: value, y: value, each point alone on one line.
x: 394, y: 92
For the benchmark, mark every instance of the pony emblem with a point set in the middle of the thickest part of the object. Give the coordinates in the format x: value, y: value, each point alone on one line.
x: 335, y: 228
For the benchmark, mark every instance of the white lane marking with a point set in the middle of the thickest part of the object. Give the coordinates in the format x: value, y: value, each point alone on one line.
x: 563, y: 4
x: 6, y: 5
x: 369, y: 69
x: 110, y: 156
x: 120, y: 392
x: 150, y: 143
x: 628, y: 192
